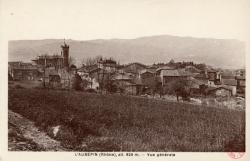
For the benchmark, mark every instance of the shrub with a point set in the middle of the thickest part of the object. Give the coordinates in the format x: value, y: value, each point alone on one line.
x: 77, y: 81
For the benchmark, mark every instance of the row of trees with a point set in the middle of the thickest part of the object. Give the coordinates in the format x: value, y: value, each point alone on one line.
x: 183, y: 64
x: 89, y: 61
x: 179, y: 88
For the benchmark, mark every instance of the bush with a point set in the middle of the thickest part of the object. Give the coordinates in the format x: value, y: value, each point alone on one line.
x: 180, y: 88
x: 77, y: 82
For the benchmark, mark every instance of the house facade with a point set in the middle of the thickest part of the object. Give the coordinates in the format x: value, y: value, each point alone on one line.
x: 167, y: 75
x: 23, y: 71
x: 108, y: 65
x: 241, y: 85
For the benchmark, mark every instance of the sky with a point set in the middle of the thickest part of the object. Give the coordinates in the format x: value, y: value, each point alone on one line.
x: 106, y: 19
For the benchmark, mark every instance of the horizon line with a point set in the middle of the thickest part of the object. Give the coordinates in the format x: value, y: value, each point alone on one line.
x: 117, y: 38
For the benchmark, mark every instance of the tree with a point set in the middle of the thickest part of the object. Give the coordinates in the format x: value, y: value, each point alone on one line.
x: 91, y: 60
x: 179, y: 88
x: 171, y: 61
x: 77, y: 82
x: 201, y: 66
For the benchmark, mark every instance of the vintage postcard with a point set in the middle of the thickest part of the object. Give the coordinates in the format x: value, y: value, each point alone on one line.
x: 124, y: 80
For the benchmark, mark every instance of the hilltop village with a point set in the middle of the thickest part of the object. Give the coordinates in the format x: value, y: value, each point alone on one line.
x: 103, y: 105
x: 105, y: 75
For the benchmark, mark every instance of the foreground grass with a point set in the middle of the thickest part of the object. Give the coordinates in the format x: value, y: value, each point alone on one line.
x: 123, y: 123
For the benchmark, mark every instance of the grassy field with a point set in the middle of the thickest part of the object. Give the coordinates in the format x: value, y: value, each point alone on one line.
x: 92, y: 122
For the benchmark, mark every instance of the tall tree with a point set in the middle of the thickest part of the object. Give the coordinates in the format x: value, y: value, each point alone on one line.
x: 179, y: 88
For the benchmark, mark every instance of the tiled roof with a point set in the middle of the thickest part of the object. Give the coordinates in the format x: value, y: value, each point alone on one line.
x: 94, y: 70
x: 147, y: 70
x: 165, y: 68
x: 136, y: 64
x: 197, y: 81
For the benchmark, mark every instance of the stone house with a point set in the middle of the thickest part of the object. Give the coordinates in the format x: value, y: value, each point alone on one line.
x: 108, y: 65
x: 58, y: 78
x: 148, y: 79
x: 209, y: 77
x: 214, y: 76
x: 230, y: 83
x: 168, y: 74
x: 135, y: 87
x: 23, y: 71
x: 241, y: 85
x: 122, y: 81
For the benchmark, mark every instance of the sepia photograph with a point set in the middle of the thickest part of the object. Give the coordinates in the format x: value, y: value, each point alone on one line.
x: 96, y: 76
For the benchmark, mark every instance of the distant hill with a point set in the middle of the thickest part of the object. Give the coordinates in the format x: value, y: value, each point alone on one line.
x: 224, y: 53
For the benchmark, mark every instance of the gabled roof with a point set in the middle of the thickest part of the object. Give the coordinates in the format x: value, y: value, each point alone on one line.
x: 164, y: 68
x: 94, y: 70
x: 88, y: 68
x: 82, y: 70
x: 147, y: 70
x: 197, y: 82
x: 136, y: 63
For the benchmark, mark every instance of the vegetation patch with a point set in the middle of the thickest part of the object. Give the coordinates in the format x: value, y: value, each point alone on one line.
x: 94, y: 122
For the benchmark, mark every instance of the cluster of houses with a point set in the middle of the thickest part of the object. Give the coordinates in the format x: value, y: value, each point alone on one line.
x: 55, y: 71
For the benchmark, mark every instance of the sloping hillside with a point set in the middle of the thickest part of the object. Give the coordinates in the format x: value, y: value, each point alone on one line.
x: 93, y: 122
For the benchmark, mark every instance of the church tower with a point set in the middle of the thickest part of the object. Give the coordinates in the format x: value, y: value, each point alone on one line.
x: 65, y: 54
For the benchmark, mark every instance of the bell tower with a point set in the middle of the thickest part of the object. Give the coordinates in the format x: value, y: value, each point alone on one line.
x: 65, y: 54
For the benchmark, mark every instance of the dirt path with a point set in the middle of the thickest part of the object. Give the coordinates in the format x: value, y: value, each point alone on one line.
x: 31, y: 133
